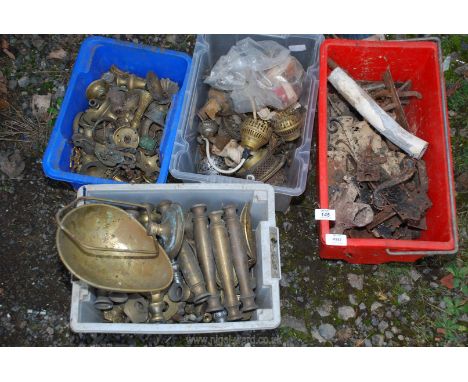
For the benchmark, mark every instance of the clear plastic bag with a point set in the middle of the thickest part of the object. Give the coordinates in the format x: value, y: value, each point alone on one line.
x: 260, y: 74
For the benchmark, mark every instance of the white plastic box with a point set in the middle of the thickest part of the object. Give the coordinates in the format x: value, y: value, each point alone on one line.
x: 208, y: 49
x: 84, y: 318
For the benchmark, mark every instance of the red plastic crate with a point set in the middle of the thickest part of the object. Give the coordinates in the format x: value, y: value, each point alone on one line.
x: 420, y: 62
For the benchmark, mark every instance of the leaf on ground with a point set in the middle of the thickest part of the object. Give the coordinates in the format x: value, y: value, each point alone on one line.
x: 58, y: 54
x: 440, y: 331
x: 447, y: 281
x: 40, y: 106
x: 4, y: 104
x: 5, y: 45
x: 381, y: 296
x: 11, y: 165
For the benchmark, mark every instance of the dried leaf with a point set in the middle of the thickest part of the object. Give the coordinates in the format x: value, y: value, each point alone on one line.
x: 4, y: 104
x: 40, y: 105
x: 11, y: 164
x: 5, y: 45
x: 381, y: 296
x: 447, y: 281
x: 58, y: 54
x: 440, y: 331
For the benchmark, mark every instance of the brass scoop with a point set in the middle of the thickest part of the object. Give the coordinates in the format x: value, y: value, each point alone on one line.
x: 107, y: 248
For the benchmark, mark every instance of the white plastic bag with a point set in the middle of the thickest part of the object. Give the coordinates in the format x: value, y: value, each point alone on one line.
x: 258, y: 74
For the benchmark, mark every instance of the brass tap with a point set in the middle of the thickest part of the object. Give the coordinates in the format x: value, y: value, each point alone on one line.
x: 104, y: 111
x: 222, y: 253
x: 130, y: 81
x: 239, y: 257
x: 205, y: 255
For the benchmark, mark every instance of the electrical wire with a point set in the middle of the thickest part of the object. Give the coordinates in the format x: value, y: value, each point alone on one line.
x: 210, y: 161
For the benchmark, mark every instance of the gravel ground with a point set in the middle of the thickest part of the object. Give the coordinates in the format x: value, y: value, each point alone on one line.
x: 323, y: 303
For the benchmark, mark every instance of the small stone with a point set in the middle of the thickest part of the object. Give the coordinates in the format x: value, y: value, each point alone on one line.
x: 400, y: 337
x: 434, y: 285
x: 50, y: 331
x: 406, y: 283
x: 367, y: 343
x: 388, y: 335
x: 327, y: 331
x: 356, y: 281
x: 375, y: 305
x: 374, y: 321
x: 12, y: 84
x: 317, y: 336
x: 23, y: 82
x: 403, y: 298
x: 247, y: 345
x: 294, y: 323
x: 378, y: 340
x: 415, y: 275
x: 362, y: 306
x: 287, y: 226
x: 388, y: 314
x: 394, y: 330
x: 325, y: 309
x: 383, y: 325
x: 352, y: 299
x: 358, y: 321
x: 346, y: 312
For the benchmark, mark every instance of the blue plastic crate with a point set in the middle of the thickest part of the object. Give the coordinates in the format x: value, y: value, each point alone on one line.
x: 95, y: 57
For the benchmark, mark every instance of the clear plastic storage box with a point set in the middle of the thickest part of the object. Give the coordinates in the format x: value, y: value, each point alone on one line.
x: 208, y: 49
x: 84, y: 317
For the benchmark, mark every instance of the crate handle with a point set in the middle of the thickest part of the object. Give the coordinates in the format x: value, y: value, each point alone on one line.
x: 274, y: 252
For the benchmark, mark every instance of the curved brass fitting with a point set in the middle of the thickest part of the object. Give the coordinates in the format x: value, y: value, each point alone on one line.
x: 143, y: 103
x: 97, y: 90
x: 91, y: 116
x: 130, y: 81
x: 224, y: 265
x: 239, y: 257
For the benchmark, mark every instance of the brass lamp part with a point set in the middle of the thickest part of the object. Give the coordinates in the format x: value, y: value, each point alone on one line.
x: 149, y: 164
x: 255, y: 133
x: 262, y: 165
x: 224, y: 265
x: 239, y: 257
x: 205, y: 255
x: 153, y: 85
x: 97, y: 90
x: 192, y: 273
x: 143, y: 103
x: 104, y: 112
x: 107, y: 248
x: 171, y: 229
x: 126, y: 137
x: 288, y: 124
x: 246, y: 224
x: 130, y: 81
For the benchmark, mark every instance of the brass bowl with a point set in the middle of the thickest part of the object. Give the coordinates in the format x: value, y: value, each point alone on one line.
x: 124, y: 270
